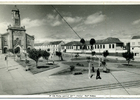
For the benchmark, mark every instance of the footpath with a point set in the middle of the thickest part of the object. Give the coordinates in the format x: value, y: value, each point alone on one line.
x: 17, y: 81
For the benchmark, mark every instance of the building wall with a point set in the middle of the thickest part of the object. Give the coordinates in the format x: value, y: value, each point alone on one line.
x: 0, y: 44
x: 19, y: 39
x: 135, y: 46
x: 30, y: 41
x: 98, y: 48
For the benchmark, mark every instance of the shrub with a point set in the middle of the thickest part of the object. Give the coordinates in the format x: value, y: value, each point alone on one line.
x: 105, y: 53
x: 128, y: 56
x: 72, y: 68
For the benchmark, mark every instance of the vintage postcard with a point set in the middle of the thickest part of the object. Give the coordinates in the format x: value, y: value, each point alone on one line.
x: 69, y: 50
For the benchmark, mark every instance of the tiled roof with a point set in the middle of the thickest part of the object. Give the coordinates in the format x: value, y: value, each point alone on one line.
x: 108, y: 40
x: 38, y: 44
x: 52, y: 43
x: 45, y: 43
x: 55, y: 43
x: 104, y: 41
x: 74, y: 43
x: 48, y: 43
x: 136, y: 37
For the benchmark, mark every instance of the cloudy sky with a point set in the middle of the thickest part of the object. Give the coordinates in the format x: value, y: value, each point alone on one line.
x: 89, y: 21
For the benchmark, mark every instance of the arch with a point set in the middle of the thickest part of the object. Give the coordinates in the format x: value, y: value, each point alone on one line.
x: 29, y: 48
x: 5, y: 50
x: 17, y: 50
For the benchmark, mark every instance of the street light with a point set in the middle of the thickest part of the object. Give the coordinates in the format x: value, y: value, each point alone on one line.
x: 89, y: 66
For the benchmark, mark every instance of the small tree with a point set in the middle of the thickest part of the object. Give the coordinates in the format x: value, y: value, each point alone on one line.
x: 93, y: 53
x: 82, y: 41
x: 83, y: 44
x: 45, y: 55
x: 128, y: 56
x: 59, y: 54
x: 105, y: 53
x: 92, y: 41
x: 48, y: 49
x: 35, y: 55
x: 77, y: 55
x: 72, y: 68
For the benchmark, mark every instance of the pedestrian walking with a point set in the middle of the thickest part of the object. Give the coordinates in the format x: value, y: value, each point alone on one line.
x: 93, y: 68
x: 6, y: 62
x: 98, y: 74
x: 104, y: 64
x: 91, y: 76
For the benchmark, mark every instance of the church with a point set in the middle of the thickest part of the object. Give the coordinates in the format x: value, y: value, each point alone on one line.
x: 16, y: 37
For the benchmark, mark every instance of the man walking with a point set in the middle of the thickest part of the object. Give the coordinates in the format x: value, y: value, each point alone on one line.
x: 98, y: 74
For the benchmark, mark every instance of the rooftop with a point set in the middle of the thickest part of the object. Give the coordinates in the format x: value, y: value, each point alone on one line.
x: 136, y: 37
x: 48, y: 43
x: 104, y: 41
x: 38, y: 44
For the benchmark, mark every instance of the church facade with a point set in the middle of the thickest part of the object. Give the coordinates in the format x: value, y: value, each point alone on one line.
x: 16, y: 37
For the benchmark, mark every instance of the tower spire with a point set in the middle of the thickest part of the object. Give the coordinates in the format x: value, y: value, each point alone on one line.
x: 16, y: 16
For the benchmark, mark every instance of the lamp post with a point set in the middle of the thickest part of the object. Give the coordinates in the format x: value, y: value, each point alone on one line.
x: 26, y: 67
x: 89, y: 66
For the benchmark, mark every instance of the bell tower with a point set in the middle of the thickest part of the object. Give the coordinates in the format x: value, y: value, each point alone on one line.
x: 16, y: 17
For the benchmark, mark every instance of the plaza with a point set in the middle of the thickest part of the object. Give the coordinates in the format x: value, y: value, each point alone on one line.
x: 17, y: 81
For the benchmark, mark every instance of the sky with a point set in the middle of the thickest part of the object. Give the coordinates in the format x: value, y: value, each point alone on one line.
x: 88, y: 21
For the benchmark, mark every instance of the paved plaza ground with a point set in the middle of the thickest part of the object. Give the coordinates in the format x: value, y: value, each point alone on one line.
x: 17, y: 81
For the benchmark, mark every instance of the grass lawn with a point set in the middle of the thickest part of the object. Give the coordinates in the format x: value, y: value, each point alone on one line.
x: 131, y: 65
x: 42, y: 66
x: 80, y: 63
x: 108, y: 60
x: 68, y: 72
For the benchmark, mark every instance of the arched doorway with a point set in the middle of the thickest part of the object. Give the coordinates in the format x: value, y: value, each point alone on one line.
x: 5, y: 50
x: 17, y: 50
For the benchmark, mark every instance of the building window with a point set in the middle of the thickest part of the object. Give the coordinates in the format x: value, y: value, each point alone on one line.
x: 95, y: 46
x: 103, y: 46
x: 133, y: 43
x: 109, y: 45
x: 98, y: 46
x: 112, y: 45
x: 138, y: 43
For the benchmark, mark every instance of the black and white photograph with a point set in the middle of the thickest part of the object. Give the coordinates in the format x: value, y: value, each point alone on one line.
x: 69, y: 50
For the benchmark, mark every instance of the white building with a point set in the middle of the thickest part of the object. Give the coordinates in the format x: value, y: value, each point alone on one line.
x: 135, y: 45
x: 113, y: 45
x: 53, y: 46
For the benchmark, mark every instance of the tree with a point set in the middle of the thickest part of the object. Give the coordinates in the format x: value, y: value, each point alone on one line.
x: 48, y: 49
x: 59, y: 54
x: 35, y: 55
x: 92, y: 41
x: 128, y: 56
x: 17, y: 50
x: 82, y: 41
x: 105, y: 53
x: 77, y: 55
x: 45, y: 55
x: 72, y: 68
x: 83, y: 44
x: 93, y: 53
